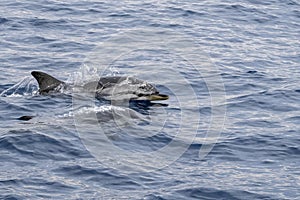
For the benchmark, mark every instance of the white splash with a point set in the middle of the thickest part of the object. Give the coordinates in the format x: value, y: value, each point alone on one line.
x: 26, y: 87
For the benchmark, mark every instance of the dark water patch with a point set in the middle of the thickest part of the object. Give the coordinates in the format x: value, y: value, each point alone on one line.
x: 286, y: 95
x: 47, y: 23
x: 212, y: 194
x: 55, y: 185
x: 77, y: 170
x: 58, y: 8
x: 206, y: 111
x: 12, y: 197
x: 252, y: 72
x: 259, y: 123
x: 3, y: 20
x: 271, y: 100
x: 143, y: 144
x: 225, y: 152
x: 173, y: 25
x: 50, y: 103
x: 16, y: 24
x: 191, y: 12
x: 36, y: 188
x: 227, y: 75
x: 291, y: 2
x: 245, y: 13
x: 293, y: 150
x: 260, y: 20
x: 243, y: 9
x: 296, y: 13
x: 15, y: 110
x: 278, y: 79
x: 11, y: 182
x: 297, y: 91
x: 294, y: 119
x: 121, y: 15
x: 117, y: 183
x: 185, y: 12
x: 244, y: 89
x: 104, y: 177
x: 8, y: 157
x: 39, y: 147
x: 66, y: 46
x: 38, y: 40
x: 95, y: 10
x: 255, y: 74
x: 154, y: 197
x: 258, y: 2
x: 255, y: 147
x: 156, y: 142
x: 35, y: 182
x: 24, y: 59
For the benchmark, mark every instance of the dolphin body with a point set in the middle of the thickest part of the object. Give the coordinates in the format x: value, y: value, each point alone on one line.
x: 108, y: 88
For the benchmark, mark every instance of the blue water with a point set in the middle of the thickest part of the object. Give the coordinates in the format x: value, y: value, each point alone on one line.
x: 64, y: 151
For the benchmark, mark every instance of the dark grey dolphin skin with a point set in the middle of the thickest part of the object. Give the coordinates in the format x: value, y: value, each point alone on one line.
x: 107, y: 87
x: 46, y: 82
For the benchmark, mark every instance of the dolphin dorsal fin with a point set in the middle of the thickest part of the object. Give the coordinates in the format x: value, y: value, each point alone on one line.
x: 46, y: 82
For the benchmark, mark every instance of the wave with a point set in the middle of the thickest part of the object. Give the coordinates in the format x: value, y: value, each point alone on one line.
x: 26, y: 87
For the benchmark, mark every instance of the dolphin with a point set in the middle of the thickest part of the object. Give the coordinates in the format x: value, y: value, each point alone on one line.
x: 109, y: 87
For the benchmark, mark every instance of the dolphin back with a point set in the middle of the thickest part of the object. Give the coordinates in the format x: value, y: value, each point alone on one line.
x: 47, y: 83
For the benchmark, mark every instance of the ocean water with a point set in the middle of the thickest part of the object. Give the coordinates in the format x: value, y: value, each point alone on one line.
x: 230, y: 129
